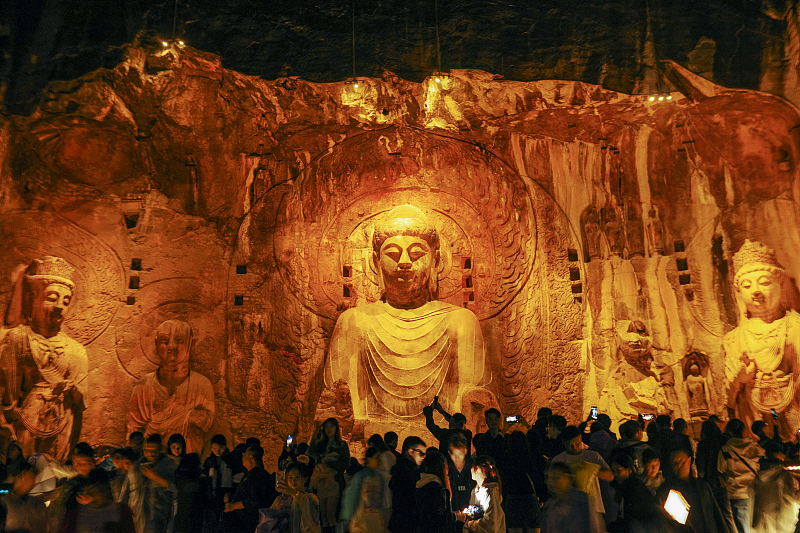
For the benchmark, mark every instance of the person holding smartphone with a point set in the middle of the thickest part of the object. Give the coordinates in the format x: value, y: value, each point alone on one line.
x: 486, y: 496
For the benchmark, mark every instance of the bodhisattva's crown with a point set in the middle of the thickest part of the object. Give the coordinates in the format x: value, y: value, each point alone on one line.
x: 754, y: 256
x: 52, y: 269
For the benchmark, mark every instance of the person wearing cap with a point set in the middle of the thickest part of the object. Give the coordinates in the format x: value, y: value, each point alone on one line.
x: 42, y: 369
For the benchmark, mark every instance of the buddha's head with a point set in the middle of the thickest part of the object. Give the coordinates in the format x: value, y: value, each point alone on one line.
x: 635, y: 344
x: 758, y: 279
x: 47, y: 294
x: 174, y: 346
x: 406, y: 254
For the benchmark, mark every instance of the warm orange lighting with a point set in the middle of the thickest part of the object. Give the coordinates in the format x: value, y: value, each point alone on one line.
x: 165, y: 43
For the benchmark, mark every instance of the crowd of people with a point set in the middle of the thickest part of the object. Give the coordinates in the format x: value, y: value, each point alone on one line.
x: 514, y: 477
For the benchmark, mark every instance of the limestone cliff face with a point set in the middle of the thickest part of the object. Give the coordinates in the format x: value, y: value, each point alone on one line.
x: 574, y: 217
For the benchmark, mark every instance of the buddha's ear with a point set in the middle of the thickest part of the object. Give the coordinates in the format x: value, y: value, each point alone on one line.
x: 374, y: 264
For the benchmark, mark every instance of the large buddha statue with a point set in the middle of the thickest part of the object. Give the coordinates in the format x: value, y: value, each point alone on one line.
x: 174, y: 398
x: 396, y: 354
x: 42, y: 369
x: 762, y: 368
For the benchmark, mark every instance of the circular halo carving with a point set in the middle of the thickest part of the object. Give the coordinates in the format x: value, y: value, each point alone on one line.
x: 99, y: 276
x: 481, y: 207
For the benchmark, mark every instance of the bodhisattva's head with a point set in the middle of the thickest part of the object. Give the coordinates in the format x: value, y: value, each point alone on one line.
x: 406, y: 254
x: 174, y: 346
x: 47, y: 294
x: 759, y: 280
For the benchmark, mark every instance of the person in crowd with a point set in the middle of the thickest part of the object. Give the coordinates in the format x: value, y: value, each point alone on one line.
x: 599, y: 440
x: 537, y: 436
x: 97, y: 512
x: 302, y: 508
x: 705, y: 515
x: 14, y: 457
x: 455, y: 424
x: 366, y: 502
x: 741, y: 456
x: 579, y: 458
x: 651, y: 475
x: 64, y: 499
x: 433, y: 512
x: 517, y: 470
x: 323, y: 483
x: 176, y: 447
x: 24, y: 513
x: 256, y: 491
x: 487, y: 496
x: 759, y: 429
x: 149, y: 488
x: 776, y: 493
x: 390, y: 438
x: 553, y: 445
x: 630, y: 443
x: 386, y: 458
x: 459, y: 470
x: 136, y: 441
x: 327, y: 441
x: 217, y: 477
x: 638, y: 507
x: 189, y: 497
x: 491, y: 442
x: 123, y: 459
x: 711, y: 464
x: 567, y: 510
x: 405, y: 475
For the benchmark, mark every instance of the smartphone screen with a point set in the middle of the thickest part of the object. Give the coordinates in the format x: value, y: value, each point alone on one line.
x: 774, y: 414
x: 289, y: 440
x: 594, y: 413
x: 512, y: 418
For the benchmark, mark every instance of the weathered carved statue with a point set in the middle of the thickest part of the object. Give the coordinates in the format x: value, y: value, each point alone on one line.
x: 42, y: 370
x: 173, y: 399
x: 697, y: 392
x: 593, y: 235
x: 762, y: 364
x: 614, y: 233
x: 398, y: 353
x: 655, y: 233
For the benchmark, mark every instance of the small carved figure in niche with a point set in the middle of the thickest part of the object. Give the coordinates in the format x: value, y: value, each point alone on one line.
x: 42, y: 370
x: 335, y: 402
x: 634, y: 230
x: 697, y: 389
x: 173, y: 399
x: 614, y: 233
x: 762, y: 365
x: 592, y: 231
x: 398, y: 353
x: 666, y: 378
x: 655, y: 233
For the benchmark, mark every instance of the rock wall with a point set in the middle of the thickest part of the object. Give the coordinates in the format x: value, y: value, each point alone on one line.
x: 590, y: 231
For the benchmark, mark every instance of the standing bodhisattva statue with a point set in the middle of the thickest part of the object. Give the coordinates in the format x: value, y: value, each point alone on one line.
x: 398, y: 353
x: 42, y: 370
x: 762, y: 355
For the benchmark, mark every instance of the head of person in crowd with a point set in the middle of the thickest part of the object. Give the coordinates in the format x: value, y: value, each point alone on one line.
x: 436, y: 464
x: 96, y: 492
x: 152, y: 448
x: 543, y: 413
x: 330, y: 431
x: 457, y: 449
x: 297, y: 476
x: 735, y: 428
x: 376, y: 441
x: 603, y: 421
x: 517, y: 446
x: 759, y: 429
x: 651, y: 463
x: 630, y: 430
x: 136, y: 441
x: 680, y: 426
x: 390, y: 438
x: 353, y: 468
x: 252, y: 441
x: 572, y: 439
x: 560, y: 479
x: 14, y: 452
x: 493, y: 419
x: 253, y: 457
x: 652, y: 431
x: 710, y: 430
x: 414, y: 449
x: 83, y: 459
x: 484, y: 471
x: 622, y: 466
x: 218, y: 445
x: 372, y: 458
x: 663, y: 422
x: 457, y: 421
x: 176, y: 445
x: 23, y: 478
x: 123, y: 458
x: 681, y: 462
x: 555, y: 425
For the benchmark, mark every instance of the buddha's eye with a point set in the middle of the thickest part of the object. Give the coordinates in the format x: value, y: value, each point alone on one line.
x: 394, y: 255
x: 746, y: 284
x: 416, y: 254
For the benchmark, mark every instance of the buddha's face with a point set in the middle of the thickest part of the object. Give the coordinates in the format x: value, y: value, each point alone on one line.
x: 173, y: 345
x: 407, y: 263
x: 760, y: 291
x: 50, y: 308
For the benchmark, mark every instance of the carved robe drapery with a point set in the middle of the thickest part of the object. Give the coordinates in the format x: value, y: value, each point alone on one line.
x: 189, y: 411
x: 38, y: 408
x: 395, y: 361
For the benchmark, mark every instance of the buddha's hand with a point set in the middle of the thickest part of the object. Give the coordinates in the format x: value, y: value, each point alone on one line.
x: 66, y: 388
x: 747, y: 374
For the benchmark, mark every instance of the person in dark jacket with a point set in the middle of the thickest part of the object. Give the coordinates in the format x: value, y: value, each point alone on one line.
x: 638, y: 508
x: 459, y: 471
x: 189, y: 497
x: 432, y: 496
x: 405, y: 474
x: 256, y: 491
x: 455, y: 424
x: 519, y: 498
x: 97, y: 508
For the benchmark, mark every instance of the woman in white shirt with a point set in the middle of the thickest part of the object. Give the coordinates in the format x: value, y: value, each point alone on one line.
x: 487, y: 496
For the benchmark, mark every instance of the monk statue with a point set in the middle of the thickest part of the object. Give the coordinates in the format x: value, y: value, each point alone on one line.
x: 396, y: 354
x: 42, y: 369
x: 762, y: 369
x: 173, y: 399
